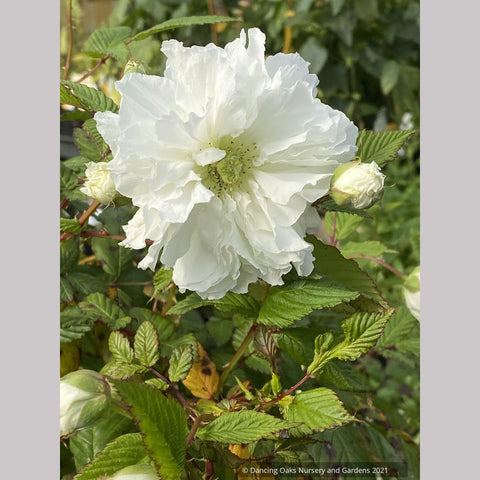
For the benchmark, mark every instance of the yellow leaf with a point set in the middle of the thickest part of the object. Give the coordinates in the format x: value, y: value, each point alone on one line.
x: 240, y: 451
x: 202, y: 380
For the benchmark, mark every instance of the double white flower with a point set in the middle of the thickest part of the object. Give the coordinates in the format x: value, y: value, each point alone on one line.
x: 224, y: 155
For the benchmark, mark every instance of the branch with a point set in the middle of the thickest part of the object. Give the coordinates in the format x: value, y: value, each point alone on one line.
x: 284, y: 394
x: 381, y: 262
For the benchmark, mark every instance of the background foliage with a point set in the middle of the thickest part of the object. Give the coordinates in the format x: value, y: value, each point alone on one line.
x: 123, y: 321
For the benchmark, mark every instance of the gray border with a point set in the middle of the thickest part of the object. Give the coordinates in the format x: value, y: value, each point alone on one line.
x: 449, y: 238
x: 29, y: 240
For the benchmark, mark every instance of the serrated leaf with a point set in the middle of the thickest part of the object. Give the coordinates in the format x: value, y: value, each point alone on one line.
x: 398, y: 328
x: 330, y: 262
x: 88, y: 98
x: 66, y: 290
x: 344, y: 376
x: 180, y: 363
x: 182, y: 22
x: 89, y: 141
x: 367, y: 10
x: 372, y: 248
x: 230, y: 303
x: 157, y: 383
x: 202, y: 379
x: 76, y: 164
x: 74, y: 324
x: 162, y: 280
x: 288, y: 303
x: 122, y: 371
x: 242, y: 427
x: 220, y: 330
x: 361, y: 333
x: 163, y: 325
x: 146, y: 344
x: 98, y: 306
x: 114, y: 258
x: 70, y: 225
x: 120, y: 348
x: 85, y: 284
x: 68, y: 179
x: 121, y: 452
x: 318, y: 410
x: 163, y: 424
x: 108, y: 41
x: 68, y: 255
x: 381, y: 147
x: 345, y: 223
x: 297, y: 342
x: 86, y: 443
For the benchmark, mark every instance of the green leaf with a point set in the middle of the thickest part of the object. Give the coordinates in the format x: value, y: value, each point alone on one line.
x: 389, y: 76
x: 372, y: 248
x: 180, y: 363
x: 66, y: 290
x: 85, y: 284
x: 108, y: 41
x: 344, y: 376
x: 399, y: 328
x: 220, y: 330
x: 74, y: 324
x: 361, y: 333
x: 182, y: 22
x: 114, y: 258
x: 120, y: 348
x: 121, y: 452
x: 242, y: 427
x: 317, y: 409
x: 70, y: 225
x: 162, y: 280
x: 286, y: 304
x: 122, y: 371
x: 163, y: 325
x: 345, y: 223
x: 146, y: 344
x: 381, y: 147
x: 68, y: 255
x: 163, y: 424
x: 331, y: 206
x: 297, y: 342
x: 76, y: 164
x: 90, y: 143
x: 336, y: 6
x: 231, y: 303
x: 86, y: 443
x: 88, y: 98
x: 330, y: 262
x: 98, y: 306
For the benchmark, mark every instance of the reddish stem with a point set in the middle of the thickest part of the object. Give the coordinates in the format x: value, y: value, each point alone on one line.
x: 284, y: 394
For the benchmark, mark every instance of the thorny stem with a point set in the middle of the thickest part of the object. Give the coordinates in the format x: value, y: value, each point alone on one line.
x: 179, y: 396
x: 70, y: 40
x: 193, y: 431
x: 284, y: 394
x: 381, y: 262
x: 238, y: 354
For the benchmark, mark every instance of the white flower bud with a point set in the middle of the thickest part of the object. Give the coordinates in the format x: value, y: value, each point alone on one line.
x: 98, y: 183
x: 358, y: 184
x: 411, y: 292
x: 84, y: 396
x: 142, y: 471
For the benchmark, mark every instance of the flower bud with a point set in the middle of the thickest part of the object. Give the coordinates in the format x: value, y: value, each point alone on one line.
x: 357, y: 184
x: 98, y: 183
x: 84, y: 396
x: 134, y: 66
x: 411, y: 292
x: 141, y: 471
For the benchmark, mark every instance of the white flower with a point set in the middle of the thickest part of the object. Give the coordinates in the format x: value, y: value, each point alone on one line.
x: 358, y: 184
x: 224, y: 156
x: 98, y: 183
x: 141, y: 471
x: 411, y: 292
x: 84, y: 396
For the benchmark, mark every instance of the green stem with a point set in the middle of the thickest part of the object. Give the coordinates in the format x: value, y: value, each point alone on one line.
x: 284, y: 394
x: 238, y: 354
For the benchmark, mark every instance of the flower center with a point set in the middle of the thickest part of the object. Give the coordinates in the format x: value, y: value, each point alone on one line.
x: 231, y: 172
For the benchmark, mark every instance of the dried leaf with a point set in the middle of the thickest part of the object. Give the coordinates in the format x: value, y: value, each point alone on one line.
x: 202, y: 380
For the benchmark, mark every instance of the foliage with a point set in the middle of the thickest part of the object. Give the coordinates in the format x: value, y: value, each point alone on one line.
x: 320, y: 369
